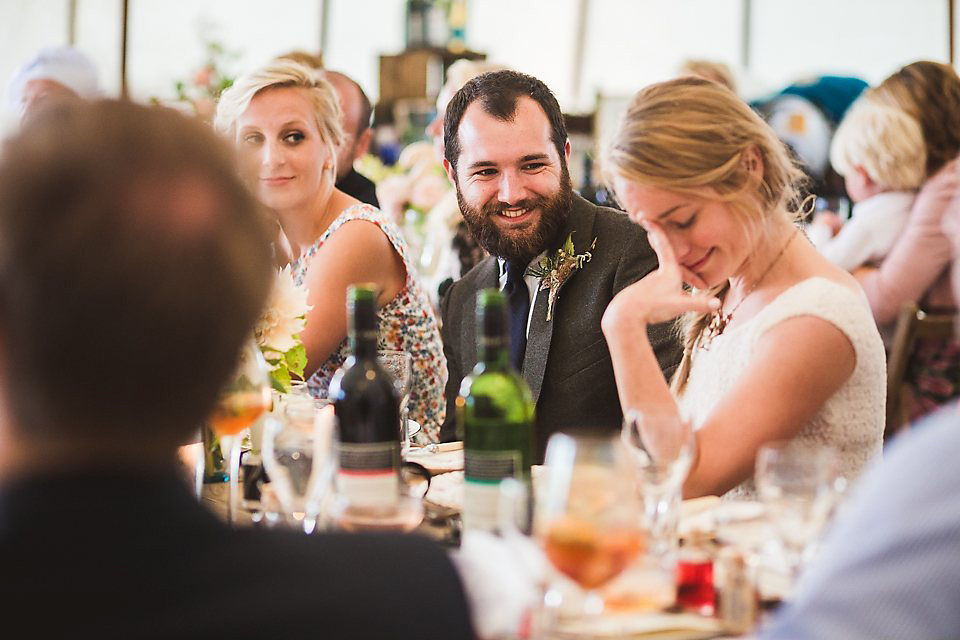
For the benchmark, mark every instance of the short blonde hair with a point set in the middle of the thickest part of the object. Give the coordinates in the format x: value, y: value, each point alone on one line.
x: 283, y: 74
x: 884, y: 140
x: 688, y: 134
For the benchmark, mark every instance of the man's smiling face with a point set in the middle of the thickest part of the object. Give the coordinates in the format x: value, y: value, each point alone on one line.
x: 512, y: 184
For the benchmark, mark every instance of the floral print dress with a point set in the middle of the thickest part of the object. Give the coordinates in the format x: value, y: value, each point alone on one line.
x: 406, y: 323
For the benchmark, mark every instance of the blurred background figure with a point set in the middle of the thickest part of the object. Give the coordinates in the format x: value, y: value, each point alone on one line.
x: 879, y: 151
x: 355, y: 119
x: 307, y: 59
x: 718, y: 72
x: 918, y: 267
x: 55, y: 75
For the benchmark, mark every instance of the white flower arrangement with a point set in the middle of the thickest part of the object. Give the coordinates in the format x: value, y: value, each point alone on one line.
x: 278, y: 330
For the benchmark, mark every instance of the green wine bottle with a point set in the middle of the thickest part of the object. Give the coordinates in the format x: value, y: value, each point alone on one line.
x: 495, y: 417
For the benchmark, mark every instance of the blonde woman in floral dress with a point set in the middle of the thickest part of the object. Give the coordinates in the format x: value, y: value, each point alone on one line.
x: 285, y: 123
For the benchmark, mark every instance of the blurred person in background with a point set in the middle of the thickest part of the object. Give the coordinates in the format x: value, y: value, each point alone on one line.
x: 772, y: 326
x: 307, y: 59
x: 53, y: 76
x: 918, y: 267
x: 140, y: 275
x: 285, y: 122
x: 879, y: 151
x: 355, y: 117
x: 718, y: 72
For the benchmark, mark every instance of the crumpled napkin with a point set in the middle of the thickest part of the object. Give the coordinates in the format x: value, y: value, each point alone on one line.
x: 502, y: 576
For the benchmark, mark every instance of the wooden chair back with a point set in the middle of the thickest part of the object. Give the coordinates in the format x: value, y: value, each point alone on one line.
x: 912, y: 324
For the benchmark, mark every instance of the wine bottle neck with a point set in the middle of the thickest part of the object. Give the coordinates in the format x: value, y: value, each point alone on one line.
x: 493, y: 352
x: 363, y: 344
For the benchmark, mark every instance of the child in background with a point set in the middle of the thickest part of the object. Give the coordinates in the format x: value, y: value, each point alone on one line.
x: 879, y: 150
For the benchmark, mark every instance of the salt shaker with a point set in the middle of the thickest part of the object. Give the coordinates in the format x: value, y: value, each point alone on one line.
x: 737, y: 601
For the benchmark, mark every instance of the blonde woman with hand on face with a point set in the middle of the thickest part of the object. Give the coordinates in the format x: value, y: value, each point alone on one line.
x: 285, y: 121
x: 780, y: 343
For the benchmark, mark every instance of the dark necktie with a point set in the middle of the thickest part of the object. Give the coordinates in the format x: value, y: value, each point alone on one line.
x: 518, y: 299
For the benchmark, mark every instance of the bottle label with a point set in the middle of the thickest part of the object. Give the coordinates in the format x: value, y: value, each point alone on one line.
x: 483, y: 471
x: 368, y: 473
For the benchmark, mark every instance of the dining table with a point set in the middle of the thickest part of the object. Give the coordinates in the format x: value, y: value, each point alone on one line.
x: 640, y: 604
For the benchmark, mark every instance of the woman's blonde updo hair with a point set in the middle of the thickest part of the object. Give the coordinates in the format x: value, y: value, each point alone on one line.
x: 688, y: 134
x: 283, y: 74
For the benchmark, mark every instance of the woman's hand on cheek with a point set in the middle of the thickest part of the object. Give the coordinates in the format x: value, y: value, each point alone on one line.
x: 657, y: 297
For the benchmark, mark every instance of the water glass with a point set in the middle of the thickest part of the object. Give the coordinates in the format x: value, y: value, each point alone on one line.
x: 399, y: 365
x: 661, y: 447
x: 798, y: 484
x: 298, y: 457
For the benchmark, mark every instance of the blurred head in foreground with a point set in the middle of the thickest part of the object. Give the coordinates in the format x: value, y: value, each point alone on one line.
x: 133, y: 263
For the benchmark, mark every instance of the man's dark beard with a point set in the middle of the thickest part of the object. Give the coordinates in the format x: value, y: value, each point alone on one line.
x: 554, y: 213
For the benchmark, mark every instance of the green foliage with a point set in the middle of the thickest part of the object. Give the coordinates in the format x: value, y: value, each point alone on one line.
x: 296, y: 359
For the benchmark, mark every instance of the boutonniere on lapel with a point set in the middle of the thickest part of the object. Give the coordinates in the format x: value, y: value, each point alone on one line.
x: 554, y: 269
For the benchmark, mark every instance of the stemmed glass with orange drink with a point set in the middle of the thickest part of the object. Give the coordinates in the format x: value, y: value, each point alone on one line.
x: 242, y: 401
x: 588, y: 516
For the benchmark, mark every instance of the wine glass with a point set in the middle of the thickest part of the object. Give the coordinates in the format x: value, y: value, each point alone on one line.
x: 797, y: 484
x: 244, y: 398
x: 399, y: 364
x: 660, y: 446
x: 587, y: 514
x: 298, y: 457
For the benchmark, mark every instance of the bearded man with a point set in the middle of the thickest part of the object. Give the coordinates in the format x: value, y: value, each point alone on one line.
x: 506, y: 150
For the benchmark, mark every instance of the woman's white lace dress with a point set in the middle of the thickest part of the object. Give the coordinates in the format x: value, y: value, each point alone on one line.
x: 851, y: 420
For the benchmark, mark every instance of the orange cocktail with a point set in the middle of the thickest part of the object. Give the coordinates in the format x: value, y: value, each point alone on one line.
x: 589, y: 554
x: 238, y: 410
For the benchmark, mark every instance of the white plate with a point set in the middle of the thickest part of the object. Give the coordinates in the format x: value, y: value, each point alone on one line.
x: 717, y: 514
x: 683, y: 626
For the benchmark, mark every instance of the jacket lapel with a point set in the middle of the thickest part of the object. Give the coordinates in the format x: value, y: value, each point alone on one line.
x: 540, y: 334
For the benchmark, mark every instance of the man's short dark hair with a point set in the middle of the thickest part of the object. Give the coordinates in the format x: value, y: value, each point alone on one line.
x: 133, y: 263
x: 498, y: 92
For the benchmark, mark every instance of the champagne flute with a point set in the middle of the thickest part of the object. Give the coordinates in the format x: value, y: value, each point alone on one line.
x: 588, y: 519
x: 399, y: 364
x: 660, y: 446
x: 797, y: 484
x: 244, y: 398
